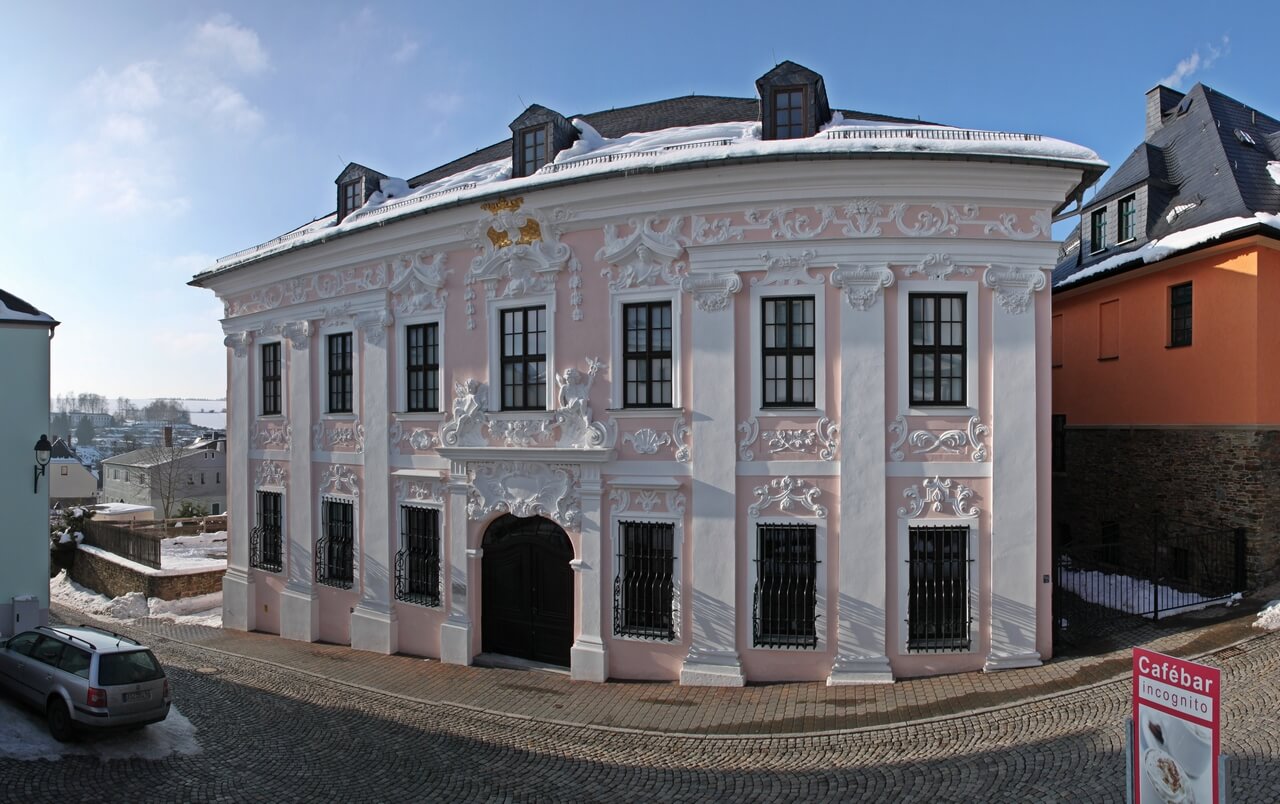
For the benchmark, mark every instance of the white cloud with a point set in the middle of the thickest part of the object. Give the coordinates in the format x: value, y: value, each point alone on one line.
x: 127, y: 129
x: 221, y: 40
x: 229, y: 109
x: 405, y: 53
x: 1195, y: 63
x: 132, y: 89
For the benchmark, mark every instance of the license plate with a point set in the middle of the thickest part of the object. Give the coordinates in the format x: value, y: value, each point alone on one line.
x: 141, y: 695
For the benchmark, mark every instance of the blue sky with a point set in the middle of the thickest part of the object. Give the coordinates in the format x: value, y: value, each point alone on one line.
x: 142, y: 140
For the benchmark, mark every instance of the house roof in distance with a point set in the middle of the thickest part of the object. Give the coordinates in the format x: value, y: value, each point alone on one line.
x: 1212, y: 171
x: 16, y: 311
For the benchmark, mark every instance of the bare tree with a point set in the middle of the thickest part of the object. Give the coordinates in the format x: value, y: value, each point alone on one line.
x: 161, y: 473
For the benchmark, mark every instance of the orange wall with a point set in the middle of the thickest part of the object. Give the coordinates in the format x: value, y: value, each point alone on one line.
x: 1215, y: 380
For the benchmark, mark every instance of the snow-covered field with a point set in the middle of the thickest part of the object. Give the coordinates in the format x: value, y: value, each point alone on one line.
x: 24, y: 736
x: 1133, y: 595
x: 197, y: 551
x: 198, y: 610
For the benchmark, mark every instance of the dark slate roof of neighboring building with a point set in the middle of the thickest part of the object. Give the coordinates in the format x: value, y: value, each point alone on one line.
x: 61, y: 450
x: 1197, y: 171
x: 16, y: 311
x: 691, y: 110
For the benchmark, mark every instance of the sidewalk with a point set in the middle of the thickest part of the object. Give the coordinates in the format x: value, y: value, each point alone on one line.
x: 662, y: 707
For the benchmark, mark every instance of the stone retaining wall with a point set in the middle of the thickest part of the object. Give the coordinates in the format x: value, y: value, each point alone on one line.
x: 114, y: 580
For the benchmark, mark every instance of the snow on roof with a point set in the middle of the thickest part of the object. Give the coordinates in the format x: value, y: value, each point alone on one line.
x: 1273, y: 168
x: 593, y: 155
x: 15, y: 311
x: 118, y: 509
x: 1172, y: 244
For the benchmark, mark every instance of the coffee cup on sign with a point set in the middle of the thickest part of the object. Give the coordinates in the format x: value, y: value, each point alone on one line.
x: 1165, y: 777
x: 1189, y: 743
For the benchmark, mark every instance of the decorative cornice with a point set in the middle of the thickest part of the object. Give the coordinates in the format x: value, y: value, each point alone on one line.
x: 1014, y: 285
x: 937, y: 493
x: 525, y: 489
x: 711, y: 292
x: 861, y: 284
x: 787, y: 492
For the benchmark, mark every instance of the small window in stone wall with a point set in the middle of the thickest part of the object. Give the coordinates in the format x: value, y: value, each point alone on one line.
x: 1180, y: 315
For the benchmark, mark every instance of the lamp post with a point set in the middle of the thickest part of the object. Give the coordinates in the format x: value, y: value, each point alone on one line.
x: 43, y: 448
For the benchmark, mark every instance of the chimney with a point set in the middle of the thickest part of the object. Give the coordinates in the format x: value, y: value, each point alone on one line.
x: 168, y: 435
x: 1160, y: 101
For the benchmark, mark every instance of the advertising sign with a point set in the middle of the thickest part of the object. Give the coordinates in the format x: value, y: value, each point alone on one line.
x: 1176, y: 717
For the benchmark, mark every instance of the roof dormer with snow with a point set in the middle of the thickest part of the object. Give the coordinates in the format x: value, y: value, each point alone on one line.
x: 356, y: 183
x: 793, y: 102
x: 538, y: 136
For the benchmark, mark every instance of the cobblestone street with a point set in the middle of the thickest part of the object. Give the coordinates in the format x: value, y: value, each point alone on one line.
x: 271, y: 733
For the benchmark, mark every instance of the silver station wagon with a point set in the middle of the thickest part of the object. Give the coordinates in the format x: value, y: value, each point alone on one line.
x: 84, y: 677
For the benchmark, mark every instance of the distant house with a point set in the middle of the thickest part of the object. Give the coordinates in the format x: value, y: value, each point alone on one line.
x: 1166, y: 324
x: 25, y: 333
x: 167, y: 475
x: 70, y: 481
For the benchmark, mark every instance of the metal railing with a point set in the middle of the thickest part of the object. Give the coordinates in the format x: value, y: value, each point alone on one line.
x: 870, y: 133
x: 266, y: 549
x: 556, y: 167
x: 139, y: 546
x: 784, y: 611
x: 643, y: 588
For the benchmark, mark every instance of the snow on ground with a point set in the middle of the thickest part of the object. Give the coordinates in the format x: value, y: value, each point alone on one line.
x: 24, y: 736
x: 1133, y: 595
x: 199, y: 610
x: 197, y: 551
x: 1269, y: 617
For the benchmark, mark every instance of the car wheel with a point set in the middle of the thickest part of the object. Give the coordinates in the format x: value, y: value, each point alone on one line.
x: 60, y: 725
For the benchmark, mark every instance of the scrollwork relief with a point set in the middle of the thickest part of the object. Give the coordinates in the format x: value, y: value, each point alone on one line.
x: 937, y: 494
x: 417, y: 282
x: 788, y: 493
x: 1014, y: 286
x: 861, y: 284
x: 425, y: 490
x: 339, y: 479
x: 789, y: 269
x: 937, y: 267
x: 271, y: 473
x: 525, y: 489
x: 643, y: 256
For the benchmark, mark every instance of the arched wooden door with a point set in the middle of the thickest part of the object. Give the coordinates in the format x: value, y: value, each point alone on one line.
x: 527, y: 602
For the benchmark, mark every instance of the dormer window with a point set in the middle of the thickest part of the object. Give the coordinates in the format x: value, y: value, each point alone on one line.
x: 355, y: 183
x: 1098, y: 230
x: 1128, y: 219
x: 789, y: 113
x: 352, y: 197
x: 533, y: 150
x: 537, y: 136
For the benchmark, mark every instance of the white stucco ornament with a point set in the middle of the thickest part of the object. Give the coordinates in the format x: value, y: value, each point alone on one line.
x: 644, y: 256
x: 937, y: 494
x: 298, y: 333
x: 470, y: 404
x: 711, y: 292
x: 271, y: 474
x: 1014, y: 286
x: 239, y: 342
x: 339, y: 479
x: 861, y: 284
x: 788, y: 493
x: 520, y: 253
x: 787, y: 269
x: 573, y: 412
x: 417, y: 282
x: 525, y: 489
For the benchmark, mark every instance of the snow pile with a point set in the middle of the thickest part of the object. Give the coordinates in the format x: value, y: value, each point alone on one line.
x: 1273, y: 168
x: 1269, y: 617
x: 200, y: 551
x: 66, y: 537
x: 24, y: 736
x: 1133, y: 595
x: 199, y: 610
x: 1171, y: 244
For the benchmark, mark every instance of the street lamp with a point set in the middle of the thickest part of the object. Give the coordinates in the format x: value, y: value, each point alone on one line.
x: 43, y: 448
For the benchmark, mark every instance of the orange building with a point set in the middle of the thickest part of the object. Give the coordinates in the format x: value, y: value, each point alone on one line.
x: 1166, y: 337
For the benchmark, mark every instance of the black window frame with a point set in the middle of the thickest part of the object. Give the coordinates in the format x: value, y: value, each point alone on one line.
x: 939, y: 589
x: 770, y: 381
x: 524, y: 359
x: 339, y: 372
x: 797, y: 124
x: 650, y: 371
x: 335, y: 549
x: 352, y: 196
x: 420, y: 555
x: 1181, y: 308
x: 784, y: 609
x: 271, y: 379
x: 422, y: 367
x: 533, y: 155
x: 644, y: 580
x: 1098, y: 230
x: 1127, y: 219
x: 266, y: 540
x: 936, y: 350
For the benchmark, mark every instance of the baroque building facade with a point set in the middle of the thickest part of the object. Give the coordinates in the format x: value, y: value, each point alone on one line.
x: 667, y: 392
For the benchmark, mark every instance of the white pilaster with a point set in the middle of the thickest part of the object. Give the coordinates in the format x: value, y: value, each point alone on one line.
x: 299, y: 610
x: 239, y: 604
x: 587, y: 659
x: 862, y: 616
x: 373, y: 622
x: 713, y: 656
x: 1014, y: 464
x: 455, y: 631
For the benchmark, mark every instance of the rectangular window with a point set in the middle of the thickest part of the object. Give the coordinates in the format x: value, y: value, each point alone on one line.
x: 335, y: 562
x: 1059, y: 442
x: 643, y: 588
x: 1180, y: 315
x: 270, y: 379
x: 524, y: 359
x: 340, y: 373
x: 533, y: 150
x: 1128, y: 219
x: 646, y: 355
x: 788, y: 352
x: 785, y: 604
x: 1109, y: 330
x: 418, y: 562
x: 351, y: 197
x: 66, y: 471
x: 938, y: 355
x: 422, y: 350
x: 1098, y: 230
x: 266, y: 538
x: 938, y: 613
x: 788, y: 113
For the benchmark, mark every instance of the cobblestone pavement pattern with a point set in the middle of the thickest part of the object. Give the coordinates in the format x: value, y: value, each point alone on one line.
x: 271, y: 733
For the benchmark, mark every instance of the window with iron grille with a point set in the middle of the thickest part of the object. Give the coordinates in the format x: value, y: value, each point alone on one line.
x: 340, y: 373
x: 524, y: 359
x: 788, y: 352
x: 266, y: 547
x: 938, y: 354
x: 533, y: 150
x: 646, y: 355
x: 1127, y: 219
x: 788, y: 113
x: 422, y: 350
x: 418, y: 562
x: 643, y: 588
x: 270, y: 379
x: 938, y: 606
x: 1180, y: 315
x: 1098, y: 230
x: 785, y: 604
x: 335, y: 550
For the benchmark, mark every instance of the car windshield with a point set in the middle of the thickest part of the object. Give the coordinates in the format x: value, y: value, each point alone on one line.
x: 133, y: 667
